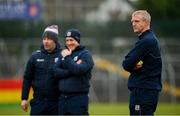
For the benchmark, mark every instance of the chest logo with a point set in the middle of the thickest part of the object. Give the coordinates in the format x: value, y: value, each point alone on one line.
x: 40, y: 60
x: 75, y: 58
x: 56, y: 60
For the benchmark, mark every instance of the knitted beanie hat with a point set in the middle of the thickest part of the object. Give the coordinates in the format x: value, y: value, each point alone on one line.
x: 51, y: 32
x: 73, y: 33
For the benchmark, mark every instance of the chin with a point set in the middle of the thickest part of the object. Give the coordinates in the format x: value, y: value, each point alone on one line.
x: 72, y: 48
x: 47, y: 49
x: 135, y: 31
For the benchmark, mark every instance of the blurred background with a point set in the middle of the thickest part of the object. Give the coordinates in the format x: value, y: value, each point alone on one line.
x: 106, y: 31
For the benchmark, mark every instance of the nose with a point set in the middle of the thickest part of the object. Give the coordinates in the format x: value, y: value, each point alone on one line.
x: 133, y: 23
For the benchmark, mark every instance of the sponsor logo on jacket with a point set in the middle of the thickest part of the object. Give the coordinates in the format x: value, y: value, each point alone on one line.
x: 40, y: 60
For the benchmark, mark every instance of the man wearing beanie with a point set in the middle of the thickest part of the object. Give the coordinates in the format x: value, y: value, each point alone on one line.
x: 74, y: 88
x: 39, y: 76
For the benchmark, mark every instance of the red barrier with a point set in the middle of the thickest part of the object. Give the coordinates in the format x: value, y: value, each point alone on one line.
x: 10, y: 84
x: 10, y: 91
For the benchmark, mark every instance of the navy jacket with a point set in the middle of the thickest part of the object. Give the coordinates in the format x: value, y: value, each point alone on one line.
x: 146, y: 49
x: 79, y: 74
x: 39, y: 75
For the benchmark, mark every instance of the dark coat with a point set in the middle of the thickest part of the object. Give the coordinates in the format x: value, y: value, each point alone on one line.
x: 79, y: 74
x: 38, y: 74
x: 146, y: 49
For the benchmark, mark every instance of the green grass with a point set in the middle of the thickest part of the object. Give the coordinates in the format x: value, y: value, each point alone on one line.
x: 11, y: 109
x: 100, y: 109
x: 108, y: 109
x: 122, y: 109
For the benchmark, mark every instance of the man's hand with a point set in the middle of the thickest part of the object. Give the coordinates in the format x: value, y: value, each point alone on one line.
x: 138, y: 65
x: 24, y: 105
x: 65, y: 52
x: 79, y: 61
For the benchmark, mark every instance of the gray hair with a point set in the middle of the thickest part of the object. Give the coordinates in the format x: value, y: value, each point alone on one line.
x: 145, y: 15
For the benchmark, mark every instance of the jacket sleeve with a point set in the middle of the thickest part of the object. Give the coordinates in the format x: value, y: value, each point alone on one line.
x: 60, y: 72
x: 27, y: 79
x: 79, y: 69
x: 141, y: 48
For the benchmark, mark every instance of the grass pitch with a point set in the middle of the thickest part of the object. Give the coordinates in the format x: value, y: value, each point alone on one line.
x: 99, y: 109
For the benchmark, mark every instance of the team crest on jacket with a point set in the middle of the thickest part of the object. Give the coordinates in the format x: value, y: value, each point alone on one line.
x: 56, y: 60
x: 75, y: 58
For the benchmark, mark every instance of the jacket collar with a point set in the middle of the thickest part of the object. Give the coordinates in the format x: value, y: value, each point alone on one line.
x: 144, y: 33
